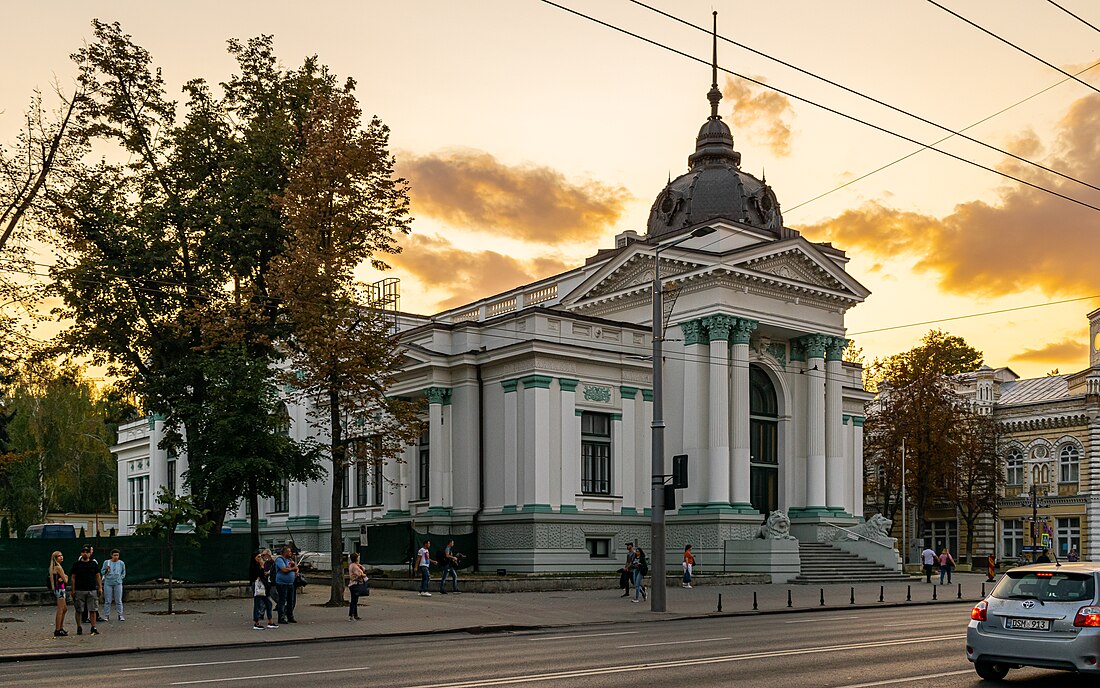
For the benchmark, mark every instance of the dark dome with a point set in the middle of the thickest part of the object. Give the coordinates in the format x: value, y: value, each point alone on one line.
x: 714, y: 186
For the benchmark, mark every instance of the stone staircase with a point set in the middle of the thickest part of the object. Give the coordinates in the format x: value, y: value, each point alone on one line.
x: 822, y: 564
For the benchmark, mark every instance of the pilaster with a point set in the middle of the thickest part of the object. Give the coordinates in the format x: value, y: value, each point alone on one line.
x: 511, y: 444
x: 836, y: 470
x: 718, y: 331
x: 739, y: 381
x: 570, y: 445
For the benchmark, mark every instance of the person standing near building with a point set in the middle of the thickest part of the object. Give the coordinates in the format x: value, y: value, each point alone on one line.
x: 357, y: 585
x: 1073, y: 556
x: 286, y: 571
x: 639, y: 570
x: 689, y: 565
x: 947, y: 565
x: 113, y: 572
x: 424, y: 562
x: 87, y: 585
x: 450, y: 568
x: 928, y: 559
x: 58, y: 581
x: 625, y: 576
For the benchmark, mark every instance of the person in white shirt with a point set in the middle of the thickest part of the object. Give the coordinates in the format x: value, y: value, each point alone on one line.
x: 928, y: 558
x: 424, y: 562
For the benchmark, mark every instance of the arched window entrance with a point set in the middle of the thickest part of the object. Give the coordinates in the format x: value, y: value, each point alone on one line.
x: 763, y: 442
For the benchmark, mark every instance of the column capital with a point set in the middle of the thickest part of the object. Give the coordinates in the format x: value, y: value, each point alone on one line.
x: 509, y: 385
x: 814, y: 345
x: 719, y: 326
x: 742, y: 330
x: 694, y: 332
x: 438, y: 395
x: 628, y: 392
x: 567, y: 384
x: 834, y: 350
x: 536, y: 381
x: 647, y: 395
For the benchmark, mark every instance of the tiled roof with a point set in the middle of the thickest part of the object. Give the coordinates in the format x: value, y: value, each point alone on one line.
x: 1035, y: 389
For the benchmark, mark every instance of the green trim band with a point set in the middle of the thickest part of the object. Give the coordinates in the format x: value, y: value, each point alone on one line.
x: 439, y: 511
x: 628, y: 392
x: 568, y: 509
x: 628, y: 511
x: 647, y: 394
x: 567, y: 384
x: 537, y: 509
x: 509, y: 385
x: 304, y: 521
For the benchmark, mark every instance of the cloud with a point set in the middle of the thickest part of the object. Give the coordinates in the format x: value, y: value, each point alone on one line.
x: 474, y: 190
x: 766, y: 114
x: 1054, y: 352
x: 469, y: 275
x: 1027, y: 240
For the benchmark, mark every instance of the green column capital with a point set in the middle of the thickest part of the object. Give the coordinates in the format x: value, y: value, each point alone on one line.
x: 694, y: 332
x: 438, y: 395
x: 647, y: 395
x: 509, y: 385
x: 567, y: 384
x: 743, y: 330
x: 536, y: 381
x: 834, y: 350
x: 719, y: 326
x: 628, y: 392
x: 814, y: 345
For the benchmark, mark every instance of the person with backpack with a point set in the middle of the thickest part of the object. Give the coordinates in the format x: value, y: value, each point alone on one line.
x: 640, y: 570
x: 56, y: 581
x: 114, y: 572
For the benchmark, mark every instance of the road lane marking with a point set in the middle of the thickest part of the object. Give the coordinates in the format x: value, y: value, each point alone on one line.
x: 228, y: 661
x: 675, y: 664
x: 676, y: 642
x: 584, y: 635
x: 267, y: 676
x: 907, y: 679
x: 825, y: 618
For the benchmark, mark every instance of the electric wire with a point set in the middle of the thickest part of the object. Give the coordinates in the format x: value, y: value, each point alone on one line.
x: 870, y: 98
x: 1012, y: 45
x: 1091, y: 26
x: 821, y: 106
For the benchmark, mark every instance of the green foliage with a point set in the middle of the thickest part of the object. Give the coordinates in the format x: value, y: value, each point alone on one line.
x: 174, y: 512
x: 938, y: 355
x: 5, y: 532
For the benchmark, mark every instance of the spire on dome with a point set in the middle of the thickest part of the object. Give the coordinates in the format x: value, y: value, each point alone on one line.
x: 715, y: 94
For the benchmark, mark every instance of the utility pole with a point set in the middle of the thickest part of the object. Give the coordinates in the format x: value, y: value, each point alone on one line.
x: 904, y: 508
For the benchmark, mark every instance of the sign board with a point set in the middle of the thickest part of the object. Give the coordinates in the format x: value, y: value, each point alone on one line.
x: 1045, y: 541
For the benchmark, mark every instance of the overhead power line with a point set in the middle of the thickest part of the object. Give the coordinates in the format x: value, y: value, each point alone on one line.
x: 870, y: 98
x: 1091, y: 26
x: 822, y: 107
x: 1013, y: 45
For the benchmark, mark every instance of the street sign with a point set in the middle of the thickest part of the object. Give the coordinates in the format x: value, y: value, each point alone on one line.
x: 1046, y: 541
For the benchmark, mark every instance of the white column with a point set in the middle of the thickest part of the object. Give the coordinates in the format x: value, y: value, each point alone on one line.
x: 739, y: 393
x: 815, y: 419
x: 570, y: 445
x: 835, y: 473
x: 631, y: 456
x: 642, y: 478
x: 695, y: 410
x: 856, y: 466
x: 511, y: 444
x: 718, y: 331
x: 447, y: 498
x: 536, y: 442
x: 437, y: 446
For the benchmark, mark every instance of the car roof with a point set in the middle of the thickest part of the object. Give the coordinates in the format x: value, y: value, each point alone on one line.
x: 1065, y: 567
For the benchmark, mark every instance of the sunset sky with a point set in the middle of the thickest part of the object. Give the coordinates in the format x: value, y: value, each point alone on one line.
x: 532, y: 136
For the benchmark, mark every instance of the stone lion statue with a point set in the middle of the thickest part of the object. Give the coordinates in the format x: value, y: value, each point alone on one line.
x: 777, y: 527
x: 878, y: 526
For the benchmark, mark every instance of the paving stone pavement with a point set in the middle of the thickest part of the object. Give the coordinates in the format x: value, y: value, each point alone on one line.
x: 388, y: 612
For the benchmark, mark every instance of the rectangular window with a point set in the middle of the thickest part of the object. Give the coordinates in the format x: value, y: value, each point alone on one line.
x: 1014, y: 474
x: 1012, y: 534
x: 423, y: 468
x: 362, y: 484
x: 345, y: 490
x: 171, y: 476
x: 1069, y: 535
x: 598, y: 548
x: 376, y: 482
x: 281, y: 502
x: 595, y: 453
x: 139, y: 490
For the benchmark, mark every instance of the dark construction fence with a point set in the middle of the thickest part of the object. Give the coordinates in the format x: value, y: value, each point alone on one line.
x: 396, y: 543
x: 23, y: 562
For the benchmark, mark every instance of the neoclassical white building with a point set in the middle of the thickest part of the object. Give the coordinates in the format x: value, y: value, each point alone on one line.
x: 539, y: 400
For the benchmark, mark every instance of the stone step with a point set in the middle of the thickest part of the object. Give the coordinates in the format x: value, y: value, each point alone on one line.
x: 822, y: 563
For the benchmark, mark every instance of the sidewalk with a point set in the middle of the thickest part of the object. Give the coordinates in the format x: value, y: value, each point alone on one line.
x: 394, y: 612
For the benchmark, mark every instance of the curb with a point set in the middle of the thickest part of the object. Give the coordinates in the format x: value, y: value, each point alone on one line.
x: 472, y: 630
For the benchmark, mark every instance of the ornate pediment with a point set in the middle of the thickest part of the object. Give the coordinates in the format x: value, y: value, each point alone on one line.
x: 793, y: 265
x: 636, y: 273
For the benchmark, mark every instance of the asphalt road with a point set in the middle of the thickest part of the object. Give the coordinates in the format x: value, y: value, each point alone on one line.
x: 858, y: 649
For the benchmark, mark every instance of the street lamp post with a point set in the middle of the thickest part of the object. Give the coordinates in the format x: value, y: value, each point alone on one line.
x: 657, y: 523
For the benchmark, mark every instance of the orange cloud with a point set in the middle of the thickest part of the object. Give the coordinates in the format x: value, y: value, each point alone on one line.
x: 764, y: 113
x: 473, y: 189
x: 1029, y: 239
x: 469, y: 275
x: 1055, y: 352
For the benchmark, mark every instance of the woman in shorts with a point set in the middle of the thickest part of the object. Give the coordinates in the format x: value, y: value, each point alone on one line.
x: 58, y: 579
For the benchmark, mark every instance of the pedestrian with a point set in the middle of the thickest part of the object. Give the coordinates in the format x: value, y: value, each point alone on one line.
x: 269, y: 581
x: 423, y: 562
x: 928, y: 558
x: 113, y: 572
x: 990, y: 568
x: 947, y: 565
x: 58, y: 581
x: 689, y: 565
x: 450, y: 568
x: 1073, y: 556
x: 625, y: 575
x: 1043, y: 558
x: 357, y: 585
x: 261, y: 603
x: 87, y: 585
x: 91, y: 552
x: 640, y: 570
x: 286, y: 571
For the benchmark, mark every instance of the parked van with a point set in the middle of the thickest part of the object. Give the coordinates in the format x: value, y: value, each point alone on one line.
x: 51, y: 530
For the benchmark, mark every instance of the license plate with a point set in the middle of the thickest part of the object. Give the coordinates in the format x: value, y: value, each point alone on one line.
x: 1028, y: 624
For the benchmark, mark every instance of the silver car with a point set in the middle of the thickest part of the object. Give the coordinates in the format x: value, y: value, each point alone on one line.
x: 1042, y: 615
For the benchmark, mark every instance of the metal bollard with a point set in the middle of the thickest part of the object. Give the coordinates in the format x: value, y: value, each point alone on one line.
x: 789, y: 597
x: 754, y: 607
x: 983, y: 591
x: 719, y: 601
x: 853, y: 598
x: 881, y: 593
x: 934, y: 586
x: 909, y: 593
x: 960, y: 591
x: 823, y: 597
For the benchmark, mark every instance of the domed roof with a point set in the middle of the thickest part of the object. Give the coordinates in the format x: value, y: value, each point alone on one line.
x: 714, y: 186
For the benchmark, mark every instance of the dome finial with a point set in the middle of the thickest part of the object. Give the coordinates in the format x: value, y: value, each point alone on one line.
x: 714, y: 95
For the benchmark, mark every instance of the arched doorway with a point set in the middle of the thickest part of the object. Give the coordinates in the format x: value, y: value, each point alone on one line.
x: 763, y: 442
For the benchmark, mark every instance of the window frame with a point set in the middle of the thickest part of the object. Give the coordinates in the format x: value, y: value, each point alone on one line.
x: 1014, y: 463
x: 1069, y: 460
x: 597, y: 457
x: 1014, y: 534
x: 423, y: 467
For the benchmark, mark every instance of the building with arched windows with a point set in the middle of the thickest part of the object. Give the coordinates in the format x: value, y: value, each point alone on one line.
x: 538, y: 401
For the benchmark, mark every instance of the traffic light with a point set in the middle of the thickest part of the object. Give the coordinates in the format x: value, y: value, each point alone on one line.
x: 680, y: 471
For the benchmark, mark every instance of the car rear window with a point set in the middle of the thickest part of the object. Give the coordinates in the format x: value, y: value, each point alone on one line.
x: 1048, y: 586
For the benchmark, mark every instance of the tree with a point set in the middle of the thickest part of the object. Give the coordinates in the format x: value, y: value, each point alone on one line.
x: 174, y: 512
x: 343, y: 207
x: 938, y: 355
x: 978, y: 478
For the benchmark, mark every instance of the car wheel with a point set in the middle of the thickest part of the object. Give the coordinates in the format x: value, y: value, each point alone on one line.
x: 991, y: 671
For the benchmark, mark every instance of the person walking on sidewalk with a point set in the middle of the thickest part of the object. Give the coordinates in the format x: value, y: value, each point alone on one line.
x: 113, y: 572
x: 641, y: 568
x: 286, y: 571
x: 357, y: 585
x: 625, y: 576
x: 689, y: 564
x: 928, y: 559
x: 87, y: 585
x: 424, y: 562
x: 450, y: 568
x: 947, y: 565
x: 58, y: 580
x: 269, y: 582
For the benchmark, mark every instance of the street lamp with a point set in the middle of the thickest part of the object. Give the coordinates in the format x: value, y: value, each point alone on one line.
x: 657, y: 524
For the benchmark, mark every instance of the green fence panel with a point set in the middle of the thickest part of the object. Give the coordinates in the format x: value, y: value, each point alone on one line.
x: 396, y: 543
x: 23, y: 562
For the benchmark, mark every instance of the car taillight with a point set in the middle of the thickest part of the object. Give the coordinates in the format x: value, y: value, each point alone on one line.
x: 978, y: 613
x: 1087, y: 616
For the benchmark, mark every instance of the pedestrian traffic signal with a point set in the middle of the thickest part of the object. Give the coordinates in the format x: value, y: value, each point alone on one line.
x: 680, y: 471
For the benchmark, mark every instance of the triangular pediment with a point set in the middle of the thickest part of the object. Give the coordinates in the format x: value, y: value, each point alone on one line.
x: 793, y: 265
x: 628, y: 273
